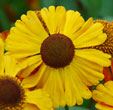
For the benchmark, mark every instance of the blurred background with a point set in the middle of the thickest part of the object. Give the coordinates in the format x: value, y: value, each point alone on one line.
x: 11, y: 10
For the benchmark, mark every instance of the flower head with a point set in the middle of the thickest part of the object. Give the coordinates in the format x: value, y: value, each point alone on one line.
x: 103, y: 95
x: 13, y: 96
x: 107, y: 46
x: 53, y: 44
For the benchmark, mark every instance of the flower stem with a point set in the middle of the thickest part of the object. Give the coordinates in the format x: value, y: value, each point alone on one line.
x: 66, y: 107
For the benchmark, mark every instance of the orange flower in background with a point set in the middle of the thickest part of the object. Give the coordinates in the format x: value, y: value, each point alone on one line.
x: 4, y: 34
x: 112, y: 66
x: 33, y: 4
x: 108, y: 73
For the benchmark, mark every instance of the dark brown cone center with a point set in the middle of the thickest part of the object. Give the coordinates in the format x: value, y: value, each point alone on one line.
x: 10, y: 92
x: 57, y: 51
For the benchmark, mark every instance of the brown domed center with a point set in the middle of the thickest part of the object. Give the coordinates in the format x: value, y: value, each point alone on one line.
x: 10, y: 92
x: 57, y: 50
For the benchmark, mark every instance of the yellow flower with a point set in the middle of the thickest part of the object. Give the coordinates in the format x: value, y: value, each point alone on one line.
x: 53, y: 44
x: 107, y: 46
x: 13, y: 96
x: 104, y: 96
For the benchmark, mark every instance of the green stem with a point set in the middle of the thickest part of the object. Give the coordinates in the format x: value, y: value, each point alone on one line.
x: 66, y: 107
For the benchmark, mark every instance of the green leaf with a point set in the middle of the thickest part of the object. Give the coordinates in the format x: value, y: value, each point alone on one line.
x: 92, y: 6
x: 108, y: 18
x: 86, y: 103
x: 4, y: 22
x: 18, y: 6
x: 60, y: 108
x: 47, y: 3
x: 68, y: 4
x: 107, y: 8
x: 2, y: 2
x: 78, y: 108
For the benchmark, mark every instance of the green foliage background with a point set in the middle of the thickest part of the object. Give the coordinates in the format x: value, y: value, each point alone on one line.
x: 11, y: 10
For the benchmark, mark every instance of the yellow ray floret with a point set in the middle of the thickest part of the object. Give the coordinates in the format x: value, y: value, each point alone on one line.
x: 107, y: 46
x: 104, y: 96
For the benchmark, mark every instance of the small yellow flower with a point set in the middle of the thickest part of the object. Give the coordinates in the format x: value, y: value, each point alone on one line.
x: 103, y: 95
x: 52, y: 43
x: 13, y: 96
x: 107, y: 46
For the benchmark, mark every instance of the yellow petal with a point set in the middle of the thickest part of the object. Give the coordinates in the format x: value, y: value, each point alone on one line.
x: 29, y: 106
x: 108, y: 86
x: 104, y: 96
x: 53, y: 18
x: 103, y: 89
x: 11, y: 66
x: 71, y: 27
x: 60, y: 18
x: 1, y: 57
x: 54, y: 87
x: 84, y: 28
x: 40, y: 98
x: 44, y: 78
x: 72, y: 93
x: 87, y: 63
x: 95, y: 56
x: 30, y: 60
x: 29, y: 35
x: 1, y: 65
x: 98, y: 96
x: 89, y: 74
x: 32, y: 80
x: 34, y: 25
x: 28, y: 70
x: 103, y: 107
x: 92, y: 37
x: 1, y: 47
x: 28, y: 65
x: 49, y: 17
x: 21, y: 46
x: 81, y: 87
x: 22, y: 32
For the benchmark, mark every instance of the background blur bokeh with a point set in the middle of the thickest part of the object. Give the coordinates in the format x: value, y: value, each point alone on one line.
x: 11, y: 10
